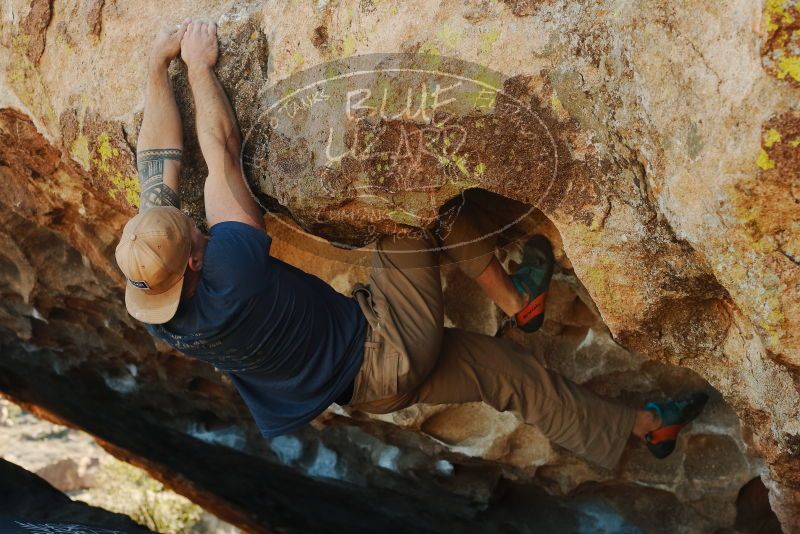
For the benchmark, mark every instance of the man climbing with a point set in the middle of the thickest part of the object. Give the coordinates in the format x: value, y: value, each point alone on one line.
x: 291, y: 344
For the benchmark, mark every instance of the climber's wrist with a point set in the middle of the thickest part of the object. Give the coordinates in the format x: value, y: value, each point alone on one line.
x: 158, y: 62
x: 199, y: 69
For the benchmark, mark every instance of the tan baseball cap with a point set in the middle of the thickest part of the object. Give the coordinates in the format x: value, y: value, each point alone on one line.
x: 153, y: 254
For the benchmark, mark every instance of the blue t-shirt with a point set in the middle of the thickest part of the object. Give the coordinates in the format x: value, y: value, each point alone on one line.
x: 289, y: 342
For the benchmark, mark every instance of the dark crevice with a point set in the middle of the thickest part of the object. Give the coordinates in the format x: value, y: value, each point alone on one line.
x: 753, y: 512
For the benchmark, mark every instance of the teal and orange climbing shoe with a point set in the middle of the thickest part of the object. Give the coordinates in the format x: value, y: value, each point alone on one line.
x: 532, y: 279
x: 674, y: 415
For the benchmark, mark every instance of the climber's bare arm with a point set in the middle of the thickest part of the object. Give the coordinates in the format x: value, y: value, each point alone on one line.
x: 160, y: 144
x: 227, y: 196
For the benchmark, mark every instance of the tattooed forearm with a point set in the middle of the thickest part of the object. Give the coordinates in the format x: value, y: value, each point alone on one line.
x: 151, y: 178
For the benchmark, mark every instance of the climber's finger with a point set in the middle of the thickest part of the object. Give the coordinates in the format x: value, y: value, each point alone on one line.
x: 212, y: 28
x: 180, y: 29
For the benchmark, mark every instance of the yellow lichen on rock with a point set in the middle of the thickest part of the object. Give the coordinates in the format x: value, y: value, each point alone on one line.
x: 488, y: 39
x: 777, y: 14
x: 768, y: 227
x: 789, y: 66
x: 781, y: 50
x: 771, y: 137
x: 26, y: 81
x: 107, y: 165
x: 764, y: 161
x: 79, y: 149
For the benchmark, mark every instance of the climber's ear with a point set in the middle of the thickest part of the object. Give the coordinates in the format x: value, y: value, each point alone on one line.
x: 195, y: 263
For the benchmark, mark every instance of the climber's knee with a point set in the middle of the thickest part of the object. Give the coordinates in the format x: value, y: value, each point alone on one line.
x: 389, y: 380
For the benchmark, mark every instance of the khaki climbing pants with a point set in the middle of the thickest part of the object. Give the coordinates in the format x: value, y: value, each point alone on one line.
x: 411, y: 358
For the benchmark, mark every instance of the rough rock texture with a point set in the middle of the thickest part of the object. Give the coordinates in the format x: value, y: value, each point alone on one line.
x: 664, y: 165
x: 28, y: 498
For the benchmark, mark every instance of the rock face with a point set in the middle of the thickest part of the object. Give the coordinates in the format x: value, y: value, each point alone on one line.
x: 656, y: 144
x: 29, y: 500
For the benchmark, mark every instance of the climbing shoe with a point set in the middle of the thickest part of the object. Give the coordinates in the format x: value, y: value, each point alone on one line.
x: 532, y: 279
x: 674, y: 415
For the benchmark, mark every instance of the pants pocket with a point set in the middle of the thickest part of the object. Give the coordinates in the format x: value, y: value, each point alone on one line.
x: 377, y: 378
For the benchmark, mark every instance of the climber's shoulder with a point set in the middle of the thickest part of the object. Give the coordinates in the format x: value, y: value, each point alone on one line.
x: 232, y: 236
x: 236, y: 247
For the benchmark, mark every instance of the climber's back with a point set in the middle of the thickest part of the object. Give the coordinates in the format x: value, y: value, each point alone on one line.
x: 286, y: 337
